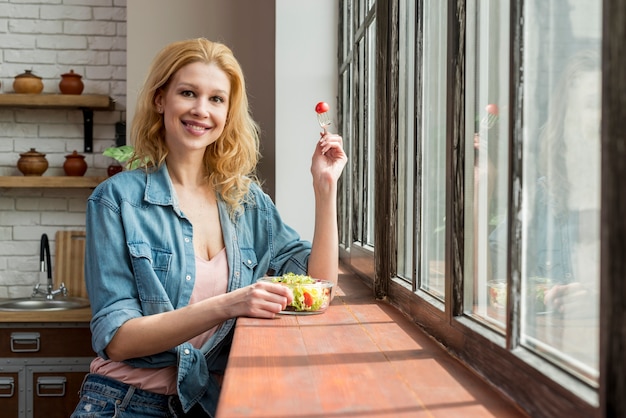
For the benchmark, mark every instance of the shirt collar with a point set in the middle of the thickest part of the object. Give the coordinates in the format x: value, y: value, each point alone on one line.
x: 159, y: 187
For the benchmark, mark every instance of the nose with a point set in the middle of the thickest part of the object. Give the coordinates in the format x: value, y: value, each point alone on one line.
x: 201, y: 108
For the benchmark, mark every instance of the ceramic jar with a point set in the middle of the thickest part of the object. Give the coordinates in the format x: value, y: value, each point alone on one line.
x: 114, y: 168
x: 27, y: 83
x: 71, y: 83
x: 75, y: 164
x: 32, y: 163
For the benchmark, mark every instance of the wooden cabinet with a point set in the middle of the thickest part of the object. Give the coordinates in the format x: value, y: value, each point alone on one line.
x: 10, y: 387
x: 40, y: 391
x: 55, y: 393
x: 42, y: 368
x: 30, y: 342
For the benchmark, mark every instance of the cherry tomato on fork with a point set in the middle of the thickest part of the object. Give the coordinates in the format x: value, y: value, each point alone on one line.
x: 492, y: 109
x: 322, y: 107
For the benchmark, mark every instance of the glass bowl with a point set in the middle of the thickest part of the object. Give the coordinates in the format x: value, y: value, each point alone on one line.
x: 310, y: 295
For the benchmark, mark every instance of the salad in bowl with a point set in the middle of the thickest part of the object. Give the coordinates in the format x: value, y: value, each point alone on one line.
x: 310, y: 295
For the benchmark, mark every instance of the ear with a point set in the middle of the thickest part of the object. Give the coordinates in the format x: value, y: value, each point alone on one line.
x: 158, y: 101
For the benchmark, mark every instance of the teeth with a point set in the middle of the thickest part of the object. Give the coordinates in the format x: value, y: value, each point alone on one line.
x: 195, y: 127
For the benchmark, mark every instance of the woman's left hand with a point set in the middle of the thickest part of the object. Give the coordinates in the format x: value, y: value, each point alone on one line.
x: 328, y: 160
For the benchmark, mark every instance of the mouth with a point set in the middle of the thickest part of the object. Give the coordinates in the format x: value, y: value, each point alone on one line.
x: 196, y: 126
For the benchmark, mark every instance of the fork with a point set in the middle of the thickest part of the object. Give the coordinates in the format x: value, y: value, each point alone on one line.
x: 322, y: 114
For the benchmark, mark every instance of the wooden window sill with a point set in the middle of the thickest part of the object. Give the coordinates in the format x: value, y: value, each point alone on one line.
x: 361, y: 357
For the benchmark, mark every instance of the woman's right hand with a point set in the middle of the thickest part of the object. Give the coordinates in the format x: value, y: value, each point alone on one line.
x: 165, y: 330
x: 571, y: 300
x: 261, y: 300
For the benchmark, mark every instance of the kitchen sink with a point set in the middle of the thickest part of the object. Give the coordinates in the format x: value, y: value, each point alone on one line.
x: 41, y: 304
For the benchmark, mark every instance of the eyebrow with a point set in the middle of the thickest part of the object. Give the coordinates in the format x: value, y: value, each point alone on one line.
x: 194, y: 86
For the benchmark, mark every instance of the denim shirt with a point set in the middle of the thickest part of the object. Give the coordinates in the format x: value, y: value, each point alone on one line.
x: 139, y: 261
x: 551, y: 233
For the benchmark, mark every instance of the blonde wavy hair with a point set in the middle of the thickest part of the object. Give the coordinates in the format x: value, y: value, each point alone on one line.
x: 230, y: 162
x: 552, y: 141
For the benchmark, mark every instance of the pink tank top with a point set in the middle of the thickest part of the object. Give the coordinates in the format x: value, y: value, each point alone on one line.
x: 211, y: 280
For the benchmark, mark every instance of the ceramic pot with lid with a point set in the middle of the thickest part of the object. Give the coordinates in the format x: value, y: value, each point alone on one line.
x: 114, y: 168
x: 32, y: 163
x: 71, y: 83
x: 27, y: 83
x: 75, y: 164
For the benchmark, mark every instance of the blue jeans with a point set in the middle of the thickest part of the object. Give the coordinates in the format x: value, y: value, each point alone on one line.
x: 101, y: 397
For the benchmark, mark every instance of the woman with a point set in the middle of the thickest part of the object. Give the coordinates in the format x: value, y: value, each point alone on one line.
x: 566, y: 213
x: 174, y: 249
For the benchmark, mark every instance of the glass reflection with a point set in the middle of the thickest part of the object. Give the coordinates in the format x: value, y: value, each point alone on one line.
x: 487, y: 163
x: 560, y: 267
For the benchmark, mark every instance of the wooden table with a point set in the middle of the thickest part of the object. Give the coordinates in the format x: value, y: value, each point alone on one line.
x: 359, y: 358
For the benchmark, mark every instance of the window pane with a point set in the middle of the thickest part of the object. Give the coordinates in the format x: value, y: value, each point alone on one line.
x: 360, y: 147
x: 561, y: 191
x: 346, y: 30
x: 433, y: 156
x: 371, y: 129
x: 344, y: 202
x: 406, y: 141
x: 363, y: 135
x: 487, y: 161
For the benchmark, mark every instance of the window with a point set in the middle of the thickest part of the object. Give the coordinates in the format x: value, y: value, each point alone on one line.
x: 482, y: 194
x: 421, y: 176
x: 560, y: 207
x: 487, y: 161
x: 358, y: 119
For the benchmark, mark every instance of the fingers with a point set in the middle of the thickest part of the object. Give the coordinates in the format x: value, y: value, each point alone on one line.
x: 265, y: 300
x: 575, y: 305
x: 329, y: 142
x: 326, y: 136
x: 571, y: 297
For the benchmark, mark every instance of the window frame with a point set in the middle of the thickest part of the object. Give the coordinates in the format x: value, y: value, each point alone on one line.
x: 501, y: 360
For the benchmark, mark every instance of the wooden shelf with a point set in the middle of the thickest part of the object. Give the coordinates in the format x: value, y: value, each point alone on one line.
x: 57, y: 101
x: 50, y: 182
x: 85, y: 102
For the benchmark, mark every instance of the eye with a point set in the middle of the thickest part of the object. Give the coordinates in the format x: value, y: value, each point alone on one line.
x: 218, y: 99
x: 187, y: 93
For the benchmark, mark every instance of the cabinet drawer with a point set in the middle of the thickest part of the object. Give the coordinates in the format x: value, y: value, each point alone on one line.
x: 10, y: 388
x: 55, y: 394
x: 45, y: 342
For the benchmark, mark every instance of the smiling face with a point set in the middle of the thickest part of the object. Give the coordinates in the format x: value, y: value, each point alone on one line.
x: 194, y: 106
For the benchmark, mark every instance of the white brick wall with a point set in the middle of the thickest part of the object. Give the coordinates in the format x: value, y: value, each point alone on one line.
x: 50, y: 37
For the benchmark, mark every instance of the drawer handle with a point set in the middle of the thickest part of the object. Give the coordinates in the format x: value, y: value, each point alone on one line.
x: 7, y: 387
x: 25, y: 342
x: 48, y: 386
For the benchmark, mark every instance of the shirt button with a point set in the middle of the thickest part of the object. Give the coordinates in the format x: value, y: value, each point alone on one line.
x: 249, y: 261
x: 236, y: 274
x: 186, y: 239
x: 188, y: 277
x: 186, y: 351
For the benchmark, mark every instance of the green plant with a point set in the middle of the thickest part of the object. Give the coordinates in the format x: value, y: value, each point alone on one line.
x: 122, y: 154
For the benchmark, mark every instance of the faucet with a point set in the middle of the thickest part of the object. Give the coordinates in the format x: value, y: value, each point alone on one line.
x: 46, y: 266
